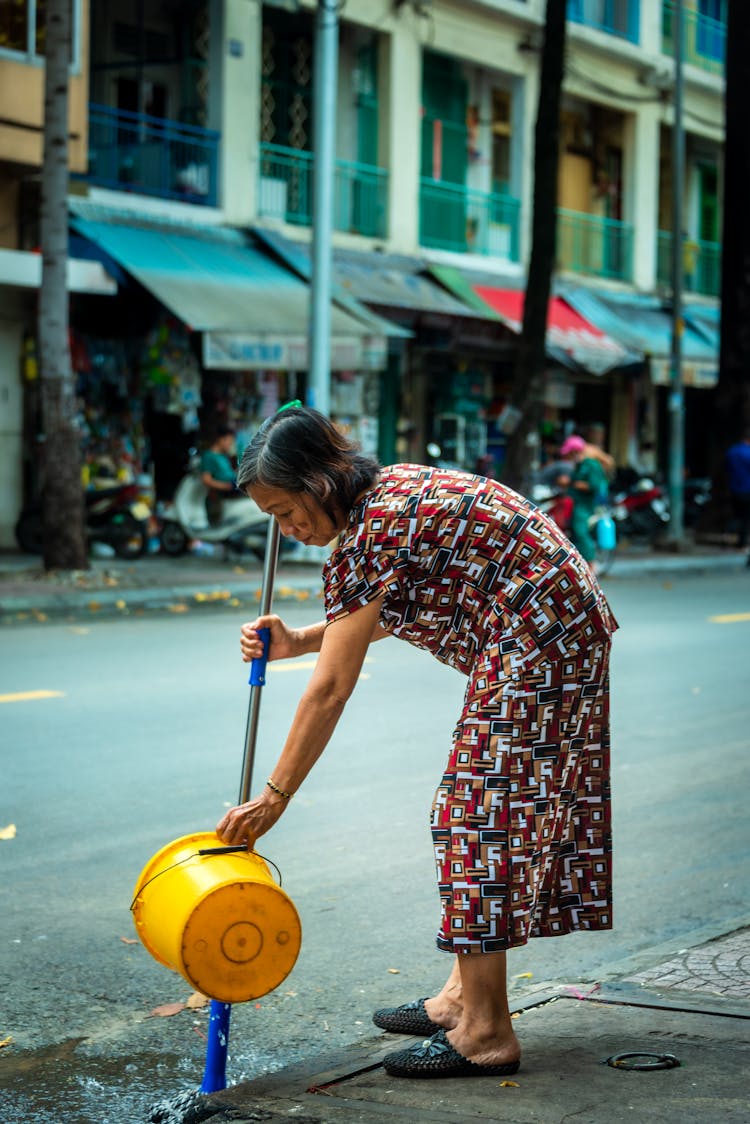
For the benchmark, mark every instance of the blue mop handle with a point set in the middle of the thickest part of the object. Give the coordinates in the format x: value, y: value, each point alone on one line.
x: 215, y: 1073
x: 258, y: 666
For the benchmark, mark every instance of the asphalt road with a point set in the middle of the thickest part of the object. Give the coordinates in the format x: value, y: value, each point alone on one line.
x: 119, y: 736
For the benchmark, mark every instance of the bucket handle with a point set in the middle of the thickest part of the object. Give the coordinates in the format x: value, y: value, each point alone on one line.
x: 196, y: 854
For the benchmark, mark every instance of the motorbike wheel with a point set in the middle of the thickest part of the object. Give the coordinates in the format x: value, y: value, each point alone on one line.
x: 128, y: 537
x: 173, y: 539
x: 29, y: 532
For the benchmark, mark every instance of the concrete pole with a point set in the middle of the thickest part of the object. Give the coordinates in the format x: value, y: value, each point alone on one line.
x: 324, y: 138
x: 676, y: 391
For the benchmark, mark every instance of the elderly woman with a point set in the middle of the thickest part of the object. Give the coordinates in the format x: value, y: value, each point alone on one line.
x: 467, y: 569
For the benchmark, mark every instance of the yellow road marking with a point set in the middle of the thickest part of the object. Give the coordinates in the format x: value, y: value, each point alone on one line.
x: 28, y: 696
x: 730, y: 618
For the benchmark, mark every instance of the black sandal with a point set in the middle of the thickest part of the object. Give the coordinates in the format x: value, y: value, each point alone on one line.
x: 437, y: 1058
x: 411, y: 1018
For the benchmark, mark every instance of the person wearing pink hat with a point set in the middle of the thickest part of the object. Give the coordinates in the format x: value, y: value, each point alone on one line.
x: 588, y: 484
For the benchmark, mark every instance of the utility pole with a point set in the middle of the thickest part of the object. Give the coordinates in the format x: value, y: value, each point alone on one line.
x: 324, y: 138
x: 676, y: 391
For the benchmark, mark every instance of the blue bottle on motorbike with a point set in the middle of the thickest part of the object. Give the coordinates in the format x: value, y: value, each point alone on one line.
x: 606, y: 533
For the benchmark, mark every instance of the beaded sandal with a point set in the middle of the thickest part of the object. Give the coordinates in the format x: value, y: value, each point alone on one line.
x: 411, y: 1018
x: 435, y: 1057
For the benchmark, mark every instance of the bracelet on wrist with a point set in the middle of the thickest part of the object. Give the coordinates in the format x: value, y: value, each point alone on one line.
x: 279, y: 791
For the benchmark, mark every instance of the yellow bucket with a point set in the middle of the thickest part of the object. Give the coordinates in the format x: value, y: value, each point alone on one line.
x: 219, y: 920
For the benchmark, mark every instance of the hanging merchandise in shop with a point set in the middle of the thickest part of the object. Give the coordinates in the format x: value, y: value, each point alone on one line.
x: 171, y: 373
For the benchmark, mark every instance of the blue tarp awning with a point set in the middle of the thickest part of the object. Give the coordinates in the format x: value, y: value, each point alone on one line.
x: 644, y: 324
x: 253, y: 311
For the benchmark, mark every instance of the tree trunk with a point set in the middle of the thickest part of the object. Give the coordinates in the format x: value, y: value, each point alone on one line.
x: 732, y: 401
x: 62, y: 499
x: 528, y: 377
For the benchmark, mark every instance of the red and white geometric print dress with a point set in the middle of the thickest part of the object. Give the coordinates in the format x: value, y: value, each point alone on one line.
x: 476, y: 575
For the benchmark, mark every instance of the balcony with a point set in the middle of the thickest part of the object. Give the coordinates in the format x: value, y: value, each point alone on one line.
x: 701, y: 264
x: 360, y: 191
x: 704, y: 38
x: 152, y: 156
x: 590, y: 244
x: 452, y: 217
x: 615, y: 17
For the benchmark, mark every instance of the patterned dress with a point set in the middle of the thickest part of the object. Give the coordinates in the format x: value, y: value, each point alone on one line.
x: 489, y: 585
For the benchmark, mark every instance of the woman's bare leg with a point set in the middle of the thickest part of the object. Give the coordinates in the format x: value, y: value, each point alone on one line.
x: 445, y: 1008
x: 484, y: 1032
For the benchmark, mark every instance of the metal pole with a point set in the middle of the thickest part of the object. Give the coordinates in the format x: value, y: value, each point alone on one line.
x: 324, y: 137
x: 676, y: 391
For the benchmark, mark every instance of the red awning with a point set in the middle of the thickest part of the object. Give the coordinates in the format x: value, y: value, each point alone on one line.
x: 568, y: 332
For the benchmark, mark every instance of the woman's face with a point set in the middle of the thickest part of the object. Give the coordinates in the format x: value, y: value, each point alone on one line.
x: 298, y: 515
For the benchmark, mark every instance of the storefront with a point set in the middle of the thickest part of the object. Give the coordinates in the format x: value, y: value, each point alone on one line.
x: 208, y: 329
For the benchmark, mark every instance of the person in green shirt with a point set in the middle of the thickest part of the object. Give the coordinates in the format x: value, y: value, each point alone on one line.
x: 217, y: 472
x: 588, y: 487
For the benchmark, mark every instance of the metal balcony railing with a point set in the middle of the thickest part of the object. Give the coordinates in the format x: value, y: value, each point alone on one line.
x: 152, y: 156
x: 616, y: 17
x: 452, y: 217
x: 590, y: 244
x: 704, y: 38
x: 360, y: 191
x: 701, y: 264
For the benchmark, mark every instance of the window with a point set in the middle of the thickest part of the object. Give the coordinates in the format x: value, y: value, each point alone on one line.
x: 23, y: 27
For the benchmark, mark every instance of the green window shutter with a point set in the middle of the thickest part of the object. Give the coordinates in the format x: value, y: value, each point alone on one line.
x: 367, y: 104
x: 444, y: 129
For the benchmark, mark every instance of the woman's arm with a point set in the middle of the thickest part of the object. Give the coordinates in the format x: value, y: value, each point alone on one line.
x: 342, y: 652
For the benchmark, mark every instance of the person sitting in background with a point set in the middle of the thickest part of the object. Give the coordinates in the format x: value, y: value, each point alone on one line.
x: 217, y: 472
x: 588, y: 485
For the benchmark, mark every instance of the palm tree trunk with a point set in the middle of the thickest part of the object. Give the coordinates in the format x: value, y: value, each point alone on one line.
x: 62, y: 501
x: 528, y: 379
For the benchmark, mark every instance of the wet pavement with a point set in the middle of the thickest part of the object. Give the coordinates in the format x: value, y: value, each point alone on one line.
x: 573, y: 1037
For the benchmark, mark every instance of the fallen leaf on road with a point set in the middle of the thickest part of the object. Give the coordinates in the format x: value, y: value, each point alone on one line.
x: 525, y: 976
x: 509, y: 1085
x: 8, y: 832
x: 6, y: 1041
x: 129, y: 940
x: 395, y: 971
x: 196, y: 1001
x: 167, y: 1009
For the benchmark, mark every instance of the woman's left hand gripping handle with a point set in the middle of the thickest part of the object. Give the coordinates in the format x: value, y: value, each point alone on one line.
x: 258, y: 665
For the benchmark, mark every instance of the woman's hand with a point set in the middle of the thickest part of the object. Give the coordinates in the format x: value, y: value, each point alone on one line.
x: 284, y: 643
x: 247, y: 822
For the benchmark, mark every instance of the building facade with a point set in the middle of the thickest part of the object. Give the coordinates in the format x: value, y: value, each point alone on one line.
x: 192, y: 129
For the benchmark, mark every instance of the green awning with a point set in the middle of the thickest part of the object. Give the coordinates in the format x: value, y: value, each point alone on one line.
x: 253, y: 312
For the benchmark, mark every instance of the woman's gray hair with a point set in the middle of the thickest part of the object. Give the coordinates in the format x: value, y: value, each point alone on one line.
x: 300, y: 450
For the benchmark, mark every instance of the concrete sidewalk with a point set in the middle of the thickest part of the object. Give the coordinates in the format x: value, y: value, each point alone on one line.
x: 157, y: 582
x: 695, y: 1008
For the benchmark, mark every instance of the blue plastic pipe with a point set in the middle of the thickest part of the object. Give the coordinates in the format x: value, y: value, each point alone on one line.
x: 215, y: 1073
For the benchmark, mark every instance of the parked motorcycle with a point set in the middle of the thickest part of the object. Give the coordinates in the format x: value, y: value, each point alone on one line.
x: 640, y: 511
x: 242, y: 526
x: 115, y: 515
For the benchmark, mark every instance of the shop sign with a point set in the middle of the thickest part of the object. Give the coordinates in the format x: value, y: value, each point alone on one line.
x: 234, y: 350
x: 239, y: 351
x: 700, y: 375
x: 559, y: 391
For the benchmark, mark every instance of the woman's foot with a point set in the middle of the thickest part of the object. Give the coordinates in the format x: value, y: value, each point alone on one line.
x: 443, y: 1010
x: 484, y: 1048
